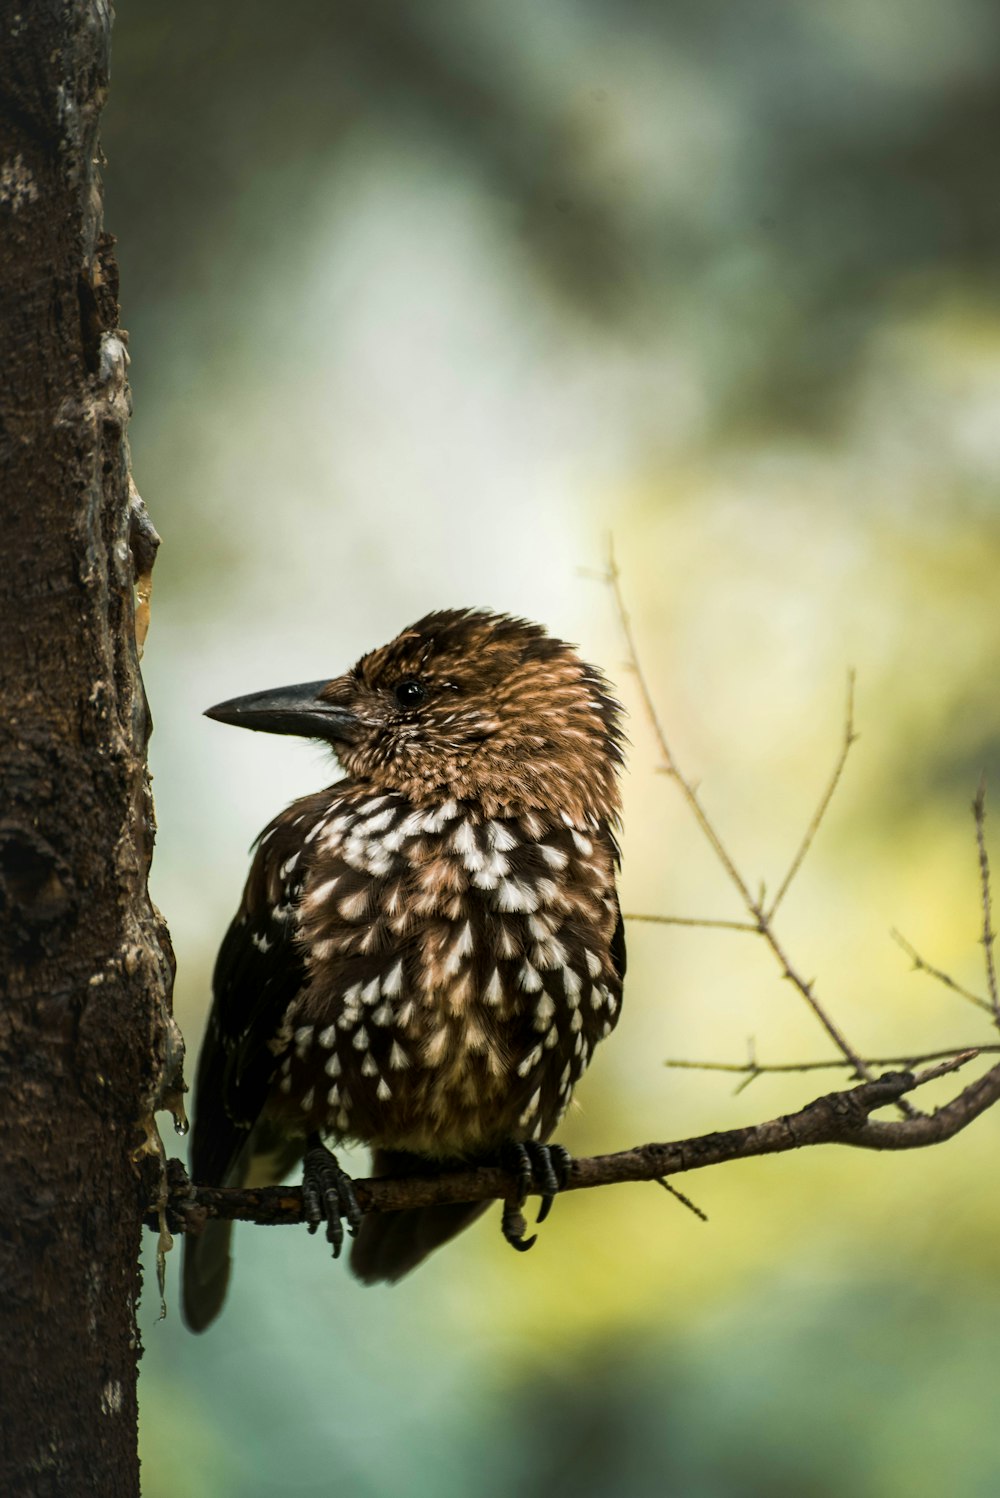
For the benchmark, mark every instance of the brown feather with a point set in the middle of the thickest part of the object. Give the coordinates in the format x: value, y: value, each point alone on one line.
x: 440, y: 930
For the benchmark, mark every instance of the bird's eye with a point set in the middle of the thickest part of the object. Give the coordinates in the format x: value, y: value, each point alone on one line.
x: 410, y: 692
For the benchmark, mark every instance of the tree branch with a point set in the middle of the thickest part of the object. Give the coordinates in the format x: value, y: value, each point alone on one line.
x: 754, y: 1068
x: 850, y: 737
x: 754, y: 904
x: 836, y: 1118
x: 920, y: 965
x: 989, y: 935
x: 843, y: 1117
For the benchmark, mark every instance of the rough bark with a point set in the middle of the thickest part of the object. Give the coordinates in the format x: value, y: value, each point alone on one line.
x: 87, y: 1045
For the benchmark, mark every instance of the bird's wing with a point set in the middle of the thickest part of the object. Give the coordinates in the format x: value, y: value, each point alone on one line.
x: 258, y: 972
x: 618, y: 952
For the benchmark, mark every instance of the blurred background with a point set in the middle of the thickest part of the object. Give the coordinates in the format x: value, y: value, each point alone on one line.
x: 424, y: 302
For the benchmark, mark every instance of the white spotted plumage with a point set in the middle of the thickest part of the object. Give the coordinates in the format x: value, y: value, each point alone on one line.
x: 430, y: 950
x: 376, y: 854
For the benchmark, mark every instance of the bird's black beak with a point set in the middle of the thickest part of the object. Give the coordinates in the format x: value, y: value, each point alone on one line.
x: 299, y: 710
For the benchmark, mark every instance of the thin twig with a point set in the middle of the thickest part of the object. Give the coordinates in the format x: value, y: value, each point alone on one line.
x: 850, y: 737
x: 695, y: 920
x: 989, y: 935
x: 921, y: 965
x: 669, y: 763
x: 684, y: 1200
x: 754, y: 905
x: 766, y: 1069
x: 946, y: 1067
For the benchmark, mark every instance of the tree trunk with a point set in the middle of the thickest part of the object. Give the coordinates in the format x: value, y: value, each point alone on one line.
x: 87, y: 1044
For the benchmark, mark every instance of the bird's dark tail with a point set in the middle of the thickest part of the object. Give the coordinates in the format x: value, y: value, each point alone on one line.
x: 205, y: 1276
x: 390, y: 1244
x: 265, y: 1159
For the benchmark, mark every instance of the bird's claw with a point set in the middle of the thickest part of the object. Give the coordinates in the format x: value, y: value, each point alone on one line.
x: 534, y: 1166
x: 552, y: 1171
x: 328, y: 1196
x: 512, y: 1224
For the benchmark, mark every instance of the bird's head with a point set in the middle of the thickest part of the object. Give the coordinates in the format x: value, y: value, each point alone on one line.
x: 463, y: 704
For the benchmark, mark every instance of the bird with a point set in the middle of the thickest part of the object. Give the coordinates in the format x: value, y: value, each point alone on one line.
x: 428, y: 950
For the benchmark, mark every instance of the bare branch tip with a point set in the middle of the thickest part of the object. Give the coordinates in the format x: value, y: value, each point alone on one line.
x: 944, y: 1068
x: 684, y: 1200
x: 907, y: 947
x: 979, y: 800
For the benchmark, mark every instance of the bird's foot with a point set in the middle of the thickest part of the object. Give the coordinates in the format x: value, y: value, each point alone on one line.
x: 535, y: 1167
x: 328, y: 1195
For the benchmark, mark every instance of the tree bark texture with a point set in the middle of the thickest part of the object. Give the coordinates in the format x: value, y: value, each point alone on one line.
x: 87, y: 1044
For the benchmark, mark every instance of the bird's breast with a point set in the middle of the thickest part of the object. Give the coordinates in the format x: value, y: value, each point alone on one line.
x: 459, y: 975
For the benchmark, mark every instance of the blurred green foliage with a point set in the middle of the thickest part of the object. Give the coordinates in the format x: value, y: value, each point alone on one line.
x: 423, y: 301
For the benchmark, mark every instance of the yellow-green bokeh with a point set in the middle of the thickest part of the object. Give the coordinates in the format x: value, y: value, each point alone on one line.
x: 424, y: 302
